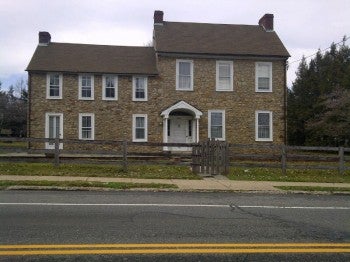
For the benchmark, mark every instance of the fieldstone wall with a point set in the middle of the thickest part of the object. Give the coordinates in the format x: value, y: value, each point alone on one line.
x: 113, y: 119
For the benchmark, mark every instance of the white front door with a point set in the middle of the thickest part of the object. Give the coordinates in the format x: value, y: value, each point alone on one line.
x: 180, y: 130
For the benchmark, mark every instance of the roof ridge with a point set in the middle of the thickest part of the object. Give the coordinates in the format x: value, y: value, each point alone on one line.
x: 100, y: 45
x: 200, y: 23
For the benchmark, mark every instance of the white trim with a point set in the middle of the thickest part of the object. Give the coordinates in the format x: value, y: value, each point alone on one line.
x: 223, y: 124
x: 134, y: 139
x: 48, y: 85
x: 191, y: 74
x: 270, y: 139
x: 115, y: 88
x: 92, y: 87
x: 218, y: 88
x: 47, y: 132
x: 257, y: 64
x: 134, y: 88
x: 92, y: 115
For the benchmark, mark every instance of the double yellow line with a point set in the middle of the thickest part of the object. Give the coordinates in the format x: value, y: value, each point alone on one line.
x: 185, y: 248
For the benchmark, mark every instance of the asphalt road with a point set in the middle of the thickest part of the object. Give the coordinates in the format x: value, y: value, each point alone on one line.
x: 96, y: 218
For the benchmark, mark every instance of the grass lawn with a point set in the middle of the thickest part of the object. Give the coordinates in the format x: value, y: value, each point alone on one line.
x: 315, y: 188
x: 115, y: 185
x: 293, y: 175
x: 11, y: 144
x: 43, y: 169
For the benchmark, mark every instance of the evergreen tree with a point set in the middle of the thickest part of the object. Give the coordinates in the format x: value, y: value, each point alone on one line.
x: 317, y: 96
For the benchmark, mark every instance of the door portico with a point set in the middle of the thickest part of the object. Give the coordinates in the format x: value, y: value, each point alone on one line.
x: 180, y: 125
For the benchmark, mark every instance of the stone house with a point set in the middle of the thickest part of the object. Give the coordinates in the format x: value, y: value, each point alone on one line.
x: 197, y: 81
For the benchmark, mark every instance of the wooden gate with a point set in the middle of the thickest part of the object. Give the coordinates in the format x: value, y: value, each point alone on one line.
x: 210, y: 157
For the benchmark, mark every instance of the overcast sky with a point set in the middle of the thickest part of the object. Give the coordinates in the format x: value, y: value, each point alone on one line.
x: 304, y: 26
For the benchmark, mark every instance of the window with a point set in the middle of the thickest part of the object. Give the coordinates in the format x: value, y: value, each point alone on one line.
x: 86, y: 87
x: 263, y: 126
x: 184, y: 75
x: 54, y: 86
x: 216, y: 124
x: 86, y: 126
x: 139, y: 130
x: 139, y: 84
x: 109, y: 87
x: 53, y: 128
x: 263, y: 77
x: 224, y: 75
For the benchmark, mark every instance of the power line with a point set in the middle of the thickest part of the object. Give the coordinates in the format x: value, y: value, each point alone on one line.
x: 342, y: 41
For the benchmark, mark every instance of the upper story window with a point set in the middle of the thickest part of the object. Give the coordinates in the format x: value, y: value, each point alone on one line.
x: 139, y: 86
x: 184, y: 75
x: 110, y: 87
x: 224, y: 75
x: 216, y: 124
x: 263, y: 126
x: 54, y: 86
x: 86, y: 126
x: 263, y: 77
x: 86, y: 87
x: 139, y: 128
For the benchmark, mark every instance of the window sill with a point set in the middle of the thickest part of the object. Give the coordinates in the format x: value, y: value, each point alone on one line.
x: 86, y: 99
x: 109, y: 99
x: 54, y: 97
x: 186, y: 90
x: 263, y: 91
x: 264, y: 140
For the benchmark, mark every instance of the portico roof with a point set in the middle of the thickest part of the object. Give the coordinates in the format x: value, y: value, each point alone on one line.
x: 182, y: 105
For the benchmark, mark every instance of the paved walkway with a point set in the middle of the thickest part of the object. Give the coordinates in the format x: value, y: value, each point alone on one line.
x: 209, y: 183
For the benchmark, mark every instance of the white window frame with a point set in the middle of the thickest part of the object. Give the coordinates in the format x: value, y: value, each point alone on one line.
x: 92, y: 87
x: 218, y: 87
x: 257, y: 64
x: 48, y: 76
x: 47, y: 130
x: 270, y: 139
x: 134, y: 98
x: 92, y: 115
x: 134, y: 139
x: 223, y: 124
x: 178, y: 61
x: 104, y: 87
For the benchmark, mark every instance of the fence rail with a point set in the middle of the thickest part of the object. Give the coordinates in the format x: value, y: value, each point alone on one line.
x: 213, y: 157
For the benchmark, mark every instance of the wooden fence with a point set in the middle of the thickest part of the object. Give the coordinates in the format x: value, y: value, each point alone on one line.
x: 211, y: 157
x: 290, y: 157
x: 120, y: 152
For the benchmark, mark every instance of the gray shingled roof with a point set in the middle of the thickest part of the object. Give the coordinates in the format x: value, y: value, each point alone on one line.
x: 217, y: 39
x: 62, y: 57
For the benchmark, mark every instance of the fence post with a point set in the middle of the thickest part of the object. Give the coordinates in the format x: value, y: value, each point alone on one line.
x: 125, y: 156
x: 341, y: 160
x: 227, y: 159
x: 57, y: 151
x: 284, y: 160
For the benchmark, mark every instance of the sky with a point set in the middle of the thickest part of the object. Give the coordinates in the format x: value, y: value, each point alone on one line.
x: 304, y: 26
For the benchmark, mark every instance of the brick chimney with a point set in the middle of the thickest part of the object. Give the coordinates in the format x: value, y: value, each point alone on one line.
x: 267, y: 22
x: 158, y: 17
x: 44, y: 38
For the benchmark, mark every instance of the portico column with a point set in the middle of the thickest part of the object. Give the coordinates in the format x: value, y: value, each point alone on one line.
x: 165, y: 129
x: 197, y: 129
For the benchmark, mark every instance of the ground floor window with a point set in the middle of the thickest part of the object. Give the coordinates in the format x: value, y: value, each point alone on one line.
x: 86, y: 126
x: 263, y: 126
x: 139, y: 128
x: 216, y: 124
x: 53, y: 128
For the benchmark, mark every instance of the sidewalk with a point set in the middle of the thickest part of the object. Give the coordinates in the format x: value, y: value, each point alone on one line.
x: 207, y: 184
